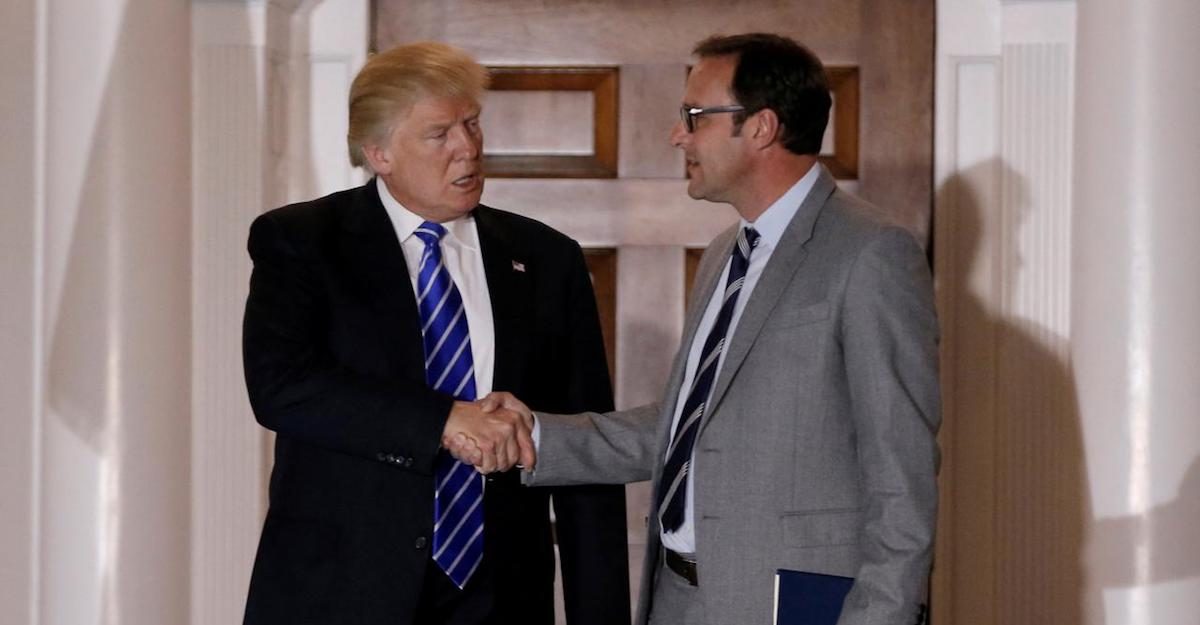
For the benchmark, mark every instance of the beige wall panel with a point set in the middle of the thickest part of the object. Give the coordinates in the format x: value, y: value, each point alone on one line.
x: 20, y: 326
x: 539, y: 122
x: 606, y: 213
x: 650, y: 96
x: 613, y: 31
x: 602, y: 269
x: 616, y: 213
x: 651, y: 315
x: 892, y: 43
x: 650, y: 277
x: 829, y: 140
x: 896, y: 145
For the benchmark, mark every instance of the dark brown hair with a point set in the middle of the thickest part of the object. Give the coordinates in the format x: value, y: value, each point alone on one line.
x: 777, y: 73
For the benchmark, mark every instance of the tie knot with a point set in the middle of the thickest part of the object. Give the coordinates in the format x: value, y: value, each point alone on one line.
x: 747, y: 240
x: 430, y: 233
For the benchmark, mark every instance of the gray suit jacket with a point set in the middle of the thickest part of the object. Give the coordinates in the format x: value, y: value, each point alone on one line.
x: 818, y: 451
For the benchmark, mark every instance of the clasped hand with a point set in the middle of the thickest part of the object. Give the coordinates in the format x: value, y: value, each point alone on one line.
x: 492, y: 434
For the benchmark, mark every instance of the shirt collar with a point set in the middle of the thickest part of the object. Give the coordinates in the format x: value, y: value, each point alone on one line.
x: 406, y: 222
x: 771, y: 224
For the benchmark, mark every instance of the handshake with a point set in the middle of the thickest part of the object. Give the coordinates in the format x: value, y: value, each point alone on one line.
x: 492, y: 434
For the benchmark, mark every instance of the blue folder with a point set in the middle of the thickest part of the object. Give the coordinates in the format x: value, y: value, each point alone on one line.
x: 809, y: 598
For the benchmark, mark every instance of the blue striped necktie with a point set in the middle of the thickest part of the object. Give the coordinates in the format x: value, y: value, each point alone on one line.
x: 449, y: 368
x: 672, y: 490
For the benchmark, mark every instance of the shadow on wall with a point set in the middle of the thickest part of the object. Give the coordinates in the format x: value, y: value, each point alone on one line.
x: 1021, y: 380
x: 1166, y: 534
x: 1053, y: 558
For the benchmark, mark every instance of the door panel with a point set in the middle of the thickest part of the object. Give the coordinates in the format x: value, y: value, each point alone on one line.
x: 882, y: 149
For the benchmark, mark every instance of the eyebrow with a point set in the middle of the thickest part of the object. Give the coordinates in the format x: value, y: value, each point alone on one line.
x: 443, y: 124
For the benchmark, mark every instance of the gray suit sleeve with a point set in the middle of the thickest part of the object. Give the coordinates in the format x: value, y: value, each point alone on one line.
x: 889, y: 334
x: 593, y: 448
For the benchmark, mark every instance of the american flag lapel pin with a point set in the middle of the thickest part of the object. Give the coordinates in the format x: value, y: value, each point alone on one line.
x: 517, y: 266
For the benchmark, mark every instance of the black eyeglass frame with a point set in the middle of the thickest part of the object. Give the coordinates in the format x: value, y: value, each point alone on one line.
x: 689, y: 113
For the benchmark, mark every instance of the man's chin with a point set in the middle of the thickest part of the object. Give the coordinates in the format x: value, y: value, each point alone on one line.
x: 466, y: 201
x: 473, y: 196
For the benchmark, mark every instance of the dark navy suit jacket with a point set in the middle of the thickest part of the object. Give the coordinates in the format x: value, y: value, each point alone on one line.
x: 334, y: 365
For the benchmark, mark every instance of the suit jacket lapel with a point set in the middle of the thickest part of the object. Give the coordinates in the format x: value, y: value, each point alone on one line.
x: 781, y: 268
x: 511, y: 293
x: 375, y: 261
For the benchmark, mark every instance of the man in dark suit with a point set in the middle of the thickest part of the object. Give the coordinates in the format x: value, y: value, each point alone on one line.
x: 375, y: 316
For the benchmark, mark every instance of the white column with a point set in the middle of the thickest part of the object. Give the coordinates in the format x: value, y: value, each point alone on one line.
x: 240, y: 87
x: 230, y: 122
x: 1136, y: 306
x: 329, y: 45
x: 110, y: 283
x: 270, y: 85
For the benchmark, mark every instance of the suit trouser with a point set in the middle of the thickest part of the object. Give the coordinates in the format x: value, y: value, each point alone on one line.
x: 676, y: 602
x: 442, y: 603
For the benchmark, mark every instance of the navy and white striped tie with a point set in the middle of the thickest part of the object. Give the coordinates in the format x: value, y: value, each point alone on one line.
x: 449, y: 368
x: 672, y: 490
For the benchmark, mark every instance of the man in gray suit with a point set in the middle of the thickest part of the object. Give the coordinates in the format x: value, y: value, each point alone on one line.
x: 797, y: 430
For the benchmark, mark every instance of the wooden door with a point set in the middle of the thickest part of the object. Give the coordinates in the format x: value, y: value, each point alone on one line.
x: 576, y: 135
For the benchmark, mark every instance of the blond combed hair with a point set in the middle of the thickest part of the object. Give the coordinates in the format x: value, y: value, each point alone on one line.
x: 392, y: 81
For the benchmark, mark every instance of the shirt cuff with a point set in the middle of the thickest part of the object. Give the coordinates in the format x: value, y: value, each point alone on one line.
x: 537, y: 434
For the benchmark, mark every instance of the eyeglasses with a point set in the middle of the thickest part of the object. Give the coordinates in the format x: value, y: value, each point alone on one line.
x: 690, y: 113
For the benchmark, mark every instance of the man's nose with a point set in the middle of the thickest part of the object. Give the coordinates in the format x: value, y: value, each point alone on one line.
x: 467, y: 145
x: 679, y: 135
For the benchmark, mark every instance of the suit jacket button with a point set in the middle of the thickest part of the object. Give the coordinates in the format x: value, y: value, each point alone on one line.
x: 408, y: 461
x: 420, y: 542
x: 382, y: 457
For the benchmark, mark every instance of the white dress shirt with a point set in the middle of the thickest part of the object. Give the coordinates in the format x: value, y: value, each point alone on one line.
x: 770, y: 226
x: 464, y: 260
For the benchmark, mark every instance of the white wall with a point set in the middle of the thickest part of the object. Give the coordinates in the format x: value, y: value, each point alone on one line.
x: 1135, y: 339
x: 1067, y: 240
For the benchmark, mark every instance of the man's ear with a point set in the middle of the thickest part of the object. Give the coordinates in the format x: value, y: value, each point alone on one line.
x: 378, y: 157
x: 764, y: 128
